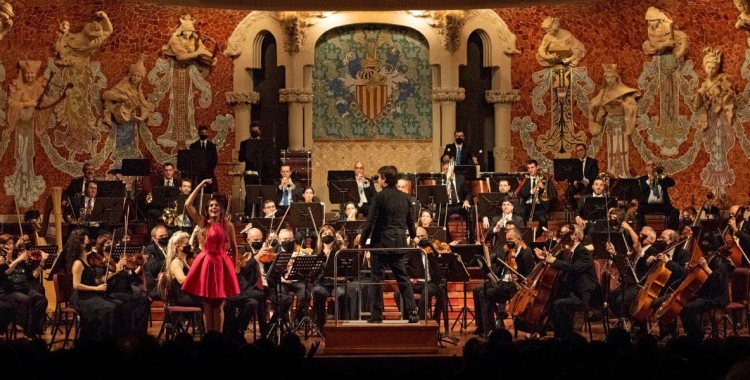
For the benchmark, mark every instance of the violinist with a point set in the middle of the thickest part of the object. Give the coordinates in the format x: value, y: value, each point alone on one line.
x: 418, y: 284
x: 577, y: 286
x: 102, y: 317
x: 740, y: 228
x: 714, y: 293
x: 154, y: 255
x: 327, y: 247
x: 177, y: 270
x: 20, y: 286
x: 299, y: 288
x: 487, y: 295
x: 124, y: 283
x: 258, y: 257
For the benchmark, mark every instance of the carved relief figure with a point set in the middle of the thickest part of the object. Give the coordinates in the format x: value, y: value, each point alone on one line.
x: 125, y: 101
x: 662, y: 35
x: 715, y: 103
x: 743, y: 21
x: 614, y: 110
x: 25, y: 119
x: 6, y: 18
x: 185, y: 44
x: 558, y: 45
x: 75, y: 49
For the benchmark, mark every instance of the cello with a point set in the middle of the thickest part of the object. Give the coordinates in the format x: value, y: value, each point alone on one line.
x: 533, y: 300
x: 654, y: 281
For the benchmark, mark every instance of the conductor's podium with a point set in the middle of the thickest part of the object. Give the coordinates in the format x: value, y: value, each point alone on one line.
x: 389, y: 337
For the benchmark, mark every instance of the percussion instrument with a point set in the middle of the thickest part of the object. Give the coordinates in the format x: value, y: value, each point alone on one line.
x: 430, y: 179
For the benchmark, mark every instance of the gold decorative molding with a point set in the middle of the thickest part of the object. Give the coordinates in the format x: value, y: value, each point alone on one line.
x: 295, y: 95
x: 448, y: 94
x: 242, y: 98
x: 447, y: 24
x: 504, y: 97
x: 503, y: 154
x: 295, y: 25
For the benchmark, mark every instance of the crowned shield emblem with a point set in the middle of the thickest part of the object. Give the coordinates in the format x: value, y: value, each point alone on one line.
x: 371, y: 99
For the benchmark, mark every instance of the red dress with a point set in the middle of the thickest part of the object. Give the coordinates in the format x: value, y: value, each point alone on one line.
x: 212, y: 273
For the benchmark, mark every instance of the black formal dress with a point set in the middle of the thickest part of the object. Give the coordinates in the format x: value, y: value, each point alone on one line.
x: 577, y: 287
x: 386, y: 227
x: 211, y: 160
x: 102, y: 317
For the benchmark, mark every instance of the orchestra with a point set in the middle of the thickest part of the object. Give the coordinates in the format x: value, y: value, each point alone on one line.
x: 115, y: 292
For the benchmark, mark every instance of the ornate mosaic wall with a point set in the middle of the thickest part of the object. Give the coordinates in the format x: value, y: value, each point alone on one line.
x: 372, y: 82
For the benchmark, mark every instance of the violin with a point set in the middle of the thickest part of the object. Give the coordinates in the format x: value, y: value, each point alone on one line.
x: 510, y: 257
x: 96, y: 260
x: 441, y: 248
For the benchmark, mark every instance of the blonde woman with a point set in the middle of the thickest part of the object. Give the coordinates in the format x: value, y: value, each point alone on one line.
x: 178, y: 268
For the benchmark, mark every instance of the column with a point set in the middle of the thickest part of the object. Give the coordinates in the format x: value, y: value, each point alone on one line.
x: 503, y: 151
x: 298, y: 99
x: 446, y: 98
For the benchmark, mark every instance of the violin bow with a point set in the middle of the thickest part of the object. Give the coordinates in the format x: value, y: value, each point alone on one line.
x: 47, y: 86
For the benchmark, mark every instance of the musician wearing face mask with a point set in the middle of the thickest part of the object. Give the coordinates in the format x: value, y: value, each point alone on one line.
x: 366, y: 188
x: 178, y: 267
x: 208, y: 151
x: 488, y: 295
x: 460, y: 152
x: 20, y: 286
x: 299, y: 288
x: 323, y: 286
x: 154, y: 255
x: 258, y: 256
x: 578, y: 284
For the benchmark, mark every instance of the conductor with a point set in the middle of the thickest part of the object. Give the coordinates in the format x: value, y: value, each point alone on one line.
x: 387, y: 221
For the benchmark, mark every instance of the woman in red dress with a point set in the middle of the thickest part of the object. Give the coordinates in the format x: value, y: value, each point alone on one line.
x: 212, y: 276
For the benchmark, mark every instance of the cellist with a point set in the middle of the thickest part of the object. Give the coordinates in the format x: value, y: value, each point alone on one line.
x: 677, y: 264
x: 714, y: 293
x: 577, y: 286
x: 740, y: 229
x: 488, y: 294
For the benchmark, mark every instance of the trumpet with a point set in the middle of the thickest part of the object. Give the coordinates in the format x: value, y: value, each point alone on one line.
x: 659, y: 172
x: 287, y: 184
x: 363, y: 181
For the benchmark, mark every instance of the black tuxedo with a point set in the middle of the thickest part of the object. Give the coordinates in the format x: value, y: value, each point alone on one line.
x: 387, y: 222
x: 665, y: 207
x: 541, y: 210
x: 515, y: 218
x: 152, y: 268
x: 259, y: 162
x: 212, y: 159
x: 578, y: 287
x: 462, y: 193
x: 714, y: 293
x: 590, y: 172
x: 466, y: 153
x: 75, y: 188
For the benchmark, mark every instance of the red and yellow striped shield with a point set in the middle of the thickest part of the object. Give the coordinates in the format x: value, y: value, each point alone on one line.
x: 371, y: 99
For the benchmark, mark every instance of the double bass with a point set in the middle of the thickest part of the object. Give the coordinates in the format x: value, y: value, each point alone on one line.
x: 534, y: 298
x: 654, y: 281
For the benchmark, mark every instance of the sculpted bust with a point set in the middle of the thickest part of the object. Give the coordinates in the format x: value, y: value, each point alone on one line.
x: 6, y: 18
x: 662, y: 35
x: 743, y: 21
x: 75, y: 49
x: 716, y: 94
x: 185, y: 44
x: 558, y: 45
x: 125, y: 101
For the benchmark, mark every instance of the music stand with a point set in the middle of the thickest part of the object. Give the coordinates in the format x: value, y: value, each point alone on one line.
x: 51, y: 250
x: 436, y: 233
x: 341, y: 175
x: 191, y: 162
x: 260, y: 153
x: 432, y: 194
x: 118, y: 250
x: 490, y: 204
x: 306, y: 268
x: 351, y: 228
x: 465, y: 254
x: 276, y: 272
x: 107, y: 210
x: 468, y: 171
x: 597, y: 208
x: 451, y: 268
x: 626, y: 189
x: 343, y: 191
x: 110, y: 189
x: 164, y: 196
x: 569, y: 169
x: 261, y: 193
x: 306, y: 215
x: 138, y: 168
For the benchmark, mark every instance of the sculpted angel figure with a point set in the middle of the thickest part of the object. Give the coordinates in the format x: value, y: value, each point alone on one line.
x: 185, y: 44
x: 743, y: 21
x: 558, y: 45
x: 613, y: 110
x: 125, y: 101
x: 75, y: 49
x: 716, y: 94
x: 662, y: 35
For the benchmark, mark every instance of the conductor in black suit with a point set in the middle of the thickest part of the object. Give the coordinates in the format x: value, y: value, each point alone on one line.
x: 387, y: 222
x: 655, y: 198
x: 582, y: 186
x: 211, y: 159
x: 460, y: 151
